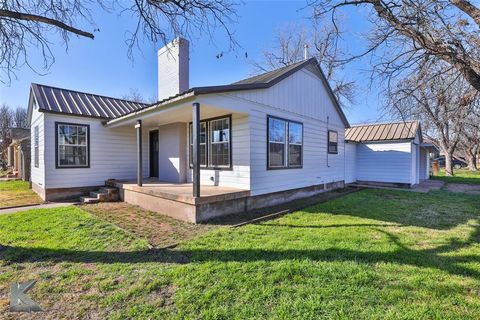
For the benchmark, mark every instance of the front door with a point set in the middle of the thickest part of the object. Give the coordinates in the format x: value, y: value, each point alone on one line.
x: 154, y: 153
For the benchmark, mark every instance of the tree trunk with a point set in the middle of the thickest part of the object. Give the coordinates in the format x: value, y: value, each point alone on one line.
x: 448, y: 164
x: 472, y: 162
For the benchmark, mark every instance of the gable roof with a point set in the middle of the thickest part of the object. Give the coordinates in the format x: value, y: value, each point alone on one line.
x: 19, y: 134
x: 406, y: 130
x: 262, y: 81
x: 57, y: 100
x: 272, y: 75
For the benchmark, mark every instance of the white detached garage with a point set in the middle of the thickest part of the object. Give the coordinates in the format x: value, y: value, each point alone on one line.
x: 388, y: 153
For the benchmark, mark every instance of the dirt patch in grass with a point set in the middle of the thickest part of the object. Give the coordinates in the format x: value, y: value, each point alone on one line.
x: 17, y: 193
x: 158, y: 229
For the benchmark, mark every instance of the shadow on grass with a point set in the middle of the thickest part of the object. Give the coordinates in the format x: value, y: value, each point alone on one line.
x: 402, y: 255
x: 439, y: 210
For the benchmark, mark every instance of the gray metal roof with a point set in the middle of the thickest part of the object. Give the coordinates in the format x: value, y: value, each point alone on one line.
x: 382, y: 131
x: 272, y: 75
x: 262, y: 81
x: 57, y: 100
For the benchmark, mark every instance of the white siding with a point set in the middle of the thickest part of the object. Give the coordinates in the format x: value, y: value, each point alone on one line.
x: 37, y: 174
x: 350, y: 162
x: 384, y: 162
x: 239, y: 176
x: 300, y: 97
x: 112, y: 154
x: 424, y: 164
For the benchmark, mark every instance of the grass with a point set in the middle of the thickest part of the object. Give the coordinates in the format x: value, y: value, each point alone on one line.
x: 371, y: 254
x: 158, y: 230
x: 17, y: 193
x: 460, y: 176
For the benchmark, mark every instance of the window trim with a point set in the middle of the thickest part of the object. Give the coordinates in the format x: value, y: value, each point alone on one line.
x: 287, y: 144
x: 207, y: 147
x: 36, y: 147
x: 328, y: 141
x: 57, y: 166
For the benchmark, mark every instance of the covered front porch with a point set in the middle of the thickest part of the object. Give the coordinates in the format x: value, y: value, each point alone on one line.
x: 185, y: 164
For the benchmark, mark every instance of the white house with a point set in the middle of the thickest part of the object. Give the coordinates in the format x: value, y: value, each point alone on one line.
x: 205, y: 151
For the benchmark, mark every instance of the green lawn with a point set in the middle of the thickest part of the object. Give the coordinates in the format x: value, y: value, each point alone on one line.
x: 369, y: 255
x: 16, y: 193
x: 460, y: 176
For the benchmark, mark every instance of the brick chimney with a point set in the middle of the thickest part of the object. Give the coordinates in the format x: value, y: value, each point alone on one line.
x: 173, y: 68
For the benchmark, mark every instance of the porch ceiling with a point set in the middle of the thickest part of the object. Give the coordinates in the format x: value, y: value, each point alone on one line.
x: 172, y: 114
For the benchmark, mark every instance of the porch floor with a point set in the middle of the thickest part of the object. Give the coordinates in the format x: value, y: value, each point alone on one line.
x: 181, y: 192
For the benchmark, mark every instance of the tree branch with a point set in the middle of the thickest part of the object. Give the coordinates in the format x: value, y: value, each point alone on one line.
x: 37, y: 18
x: 468, y: 8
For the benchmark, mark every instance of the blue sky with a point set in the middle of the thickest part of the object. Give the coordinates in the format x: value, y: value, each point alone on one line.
x: 102, y: 66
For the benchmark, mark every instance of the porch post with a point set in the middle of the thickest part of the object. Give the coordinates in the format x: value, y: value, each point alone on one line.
x: 138, y: 126
x: 196, y: 148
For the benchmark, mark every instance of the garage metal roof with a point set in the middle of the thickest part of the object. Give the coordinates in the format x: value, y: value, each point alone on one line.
x: 382, y: 131
x: 57, y: 100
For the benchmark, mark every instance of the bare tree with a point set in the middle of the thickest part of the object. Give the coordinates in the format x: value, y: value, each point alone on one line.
x: 405, y: 32
x: 469, y: 144
x: 321, y: 43
x: 27, y: 25
x: 20, y: 119
x: 6, y: 122
x: 442, y: 103
x: 135, y: 96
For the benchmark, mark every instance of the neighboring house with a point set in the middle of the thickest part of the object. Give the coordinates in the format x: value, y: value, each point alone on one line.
x: 387, y: 153
x: 18, y: 153
x: 198, y: 152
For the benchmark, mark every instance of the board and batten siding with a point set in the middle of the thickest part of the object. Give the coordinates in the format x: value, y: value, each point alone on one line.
x: 385, y: 162
x: 113, y: 154
x: 239, y: 175
x: 37, y: 175
x: 300, y: 97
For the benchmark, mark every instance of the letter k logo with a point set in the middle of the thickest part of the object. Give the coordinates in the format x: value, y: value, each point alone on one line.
x: 19, y: 301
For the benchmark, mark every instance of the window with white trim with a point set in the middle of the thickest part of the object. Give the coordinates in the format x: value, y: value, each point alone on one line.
x: 215, y: 139
x: 285, y: 143
x: 36, y: 139
x: 72, y: 145
x: 332, y: 142
x: 219, y: 142
x: 203, y: 144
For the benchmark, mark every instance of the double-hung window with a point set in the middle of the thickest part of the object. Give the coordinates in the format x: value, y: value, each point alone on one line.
x: 36, y: 147
x: 332, y: 142
x: 219, y: 142
x: 203, y: 144
x: 285, y: 143
x: 215, y: 143
x: 72, y: 145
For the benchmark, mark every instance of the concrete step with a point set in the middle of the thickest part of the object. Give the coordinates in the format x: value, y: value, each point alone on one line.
x: 112, y: 193
x: 87, y: 200
x: 102, y: 196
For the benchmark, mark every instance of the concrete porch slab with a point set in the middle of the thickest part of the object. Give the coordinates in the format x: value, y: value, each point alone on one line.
x: 181, y: 192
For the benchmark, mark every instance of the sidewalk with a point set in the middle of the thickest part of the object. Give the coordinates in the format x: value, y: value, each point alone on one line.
x: 37, y: 206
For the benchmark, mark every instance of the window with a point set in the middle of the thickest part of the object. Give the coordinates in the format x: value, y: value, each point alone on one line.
x: 35, y: 147
x: 219, y: 142
x: 203, y: 144
x: 332, y: 141
x: 215, y: 137
x: 72, y: 145
x: 285, y: 143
